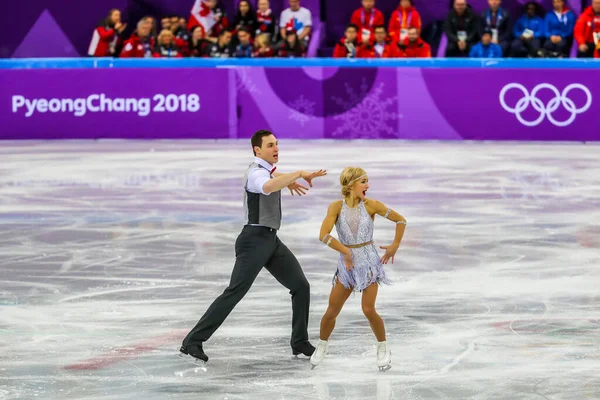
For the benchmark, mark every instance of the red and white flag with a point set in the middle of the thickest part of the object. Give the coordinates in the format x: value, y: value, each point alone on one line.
x: 201, y: 15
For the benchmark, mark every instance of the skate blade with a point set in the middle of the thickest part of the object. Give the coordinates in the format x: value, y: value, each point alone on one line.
x: 192, y: 360
x: 190, y: 371
x: 300, y: 357
x: 384, y: 368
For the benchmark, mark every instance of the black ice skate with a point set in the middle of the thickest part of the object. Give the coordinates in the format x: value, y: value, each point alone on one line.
x: 194, y: 351
x: 305, y: 348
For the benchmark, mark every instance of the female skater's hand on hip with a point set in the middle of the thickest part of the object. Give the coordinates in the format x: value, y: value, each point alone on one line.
x: 309, y: 176
x: 390, y: 252
x: 348, y: 260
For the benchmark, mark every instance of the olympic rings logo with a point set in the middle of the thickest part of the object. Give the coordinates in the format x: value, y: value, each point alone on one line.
x: 545, y: 110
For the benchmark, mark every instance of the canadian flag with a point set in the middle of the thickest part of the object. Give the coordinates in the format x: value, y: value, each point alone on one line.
x: 202, y: 15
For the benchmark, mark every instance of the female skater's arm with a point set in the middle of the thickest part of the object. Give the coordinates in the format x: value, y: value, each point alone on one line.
x: 390, y: 251
x: 326, y: 227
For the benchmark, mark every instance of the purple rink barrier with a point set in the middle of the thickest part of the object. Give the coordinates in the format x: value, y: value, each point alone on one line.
x: 454, y: 100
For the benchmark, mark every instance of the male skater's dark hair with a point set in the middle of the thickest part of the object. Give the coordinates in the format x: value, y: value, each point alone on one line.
x: 257, y: 138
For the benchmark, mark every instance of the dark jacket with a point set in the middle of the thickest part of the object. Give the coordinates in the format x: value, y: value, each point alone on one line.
x: 470, y: 25
x: 503, y: 24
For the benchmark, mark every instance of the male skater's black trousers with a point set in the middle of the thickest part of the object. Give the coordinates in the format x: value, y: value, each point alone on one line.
x: 256, y: 247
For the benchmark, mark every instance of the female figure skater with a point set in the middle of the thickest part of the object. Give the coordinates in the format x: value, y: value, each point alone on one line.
x: 359, y: 267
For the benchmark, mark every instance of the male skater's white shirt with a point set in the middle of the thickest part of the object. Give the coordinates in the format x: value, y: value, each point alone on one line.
x: 259, y: 176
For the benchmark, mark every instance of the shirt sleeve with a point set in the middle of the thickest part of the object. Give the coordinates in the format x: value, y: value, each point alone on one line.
x: 308, y: 18
x: 256, y: 180
x: 283, y: 19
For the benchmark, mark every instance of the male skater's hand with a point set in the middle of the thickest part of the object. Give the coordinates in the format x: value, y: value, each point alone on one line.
x: 390, y: 252
x: 297, y: 188
x: 348, y: 260
x: 309, y: 176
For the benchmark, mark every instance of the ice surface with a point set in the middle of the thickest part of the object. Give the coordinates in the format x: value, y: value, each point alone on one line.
x: 111, y: 251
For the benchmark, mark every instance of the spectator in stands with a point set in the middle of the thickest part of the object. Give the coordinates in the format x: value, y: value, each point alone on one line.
x: 366, y: 19
x: 222, y: 48
x: 262, y: 46
x: 529, y: 32
x: 179, y: 29
x: 221, y: 20
x: 244, y: 48
x: 166, y: 47
x: 558, y: 27
x: 298, y: 19
x: 292, y: 46
x: 245, y: 18
x: 381, y: 47
x: 106, y: 35
x: 587, y: 30
x: 413, y: 46
x: 486, y: 48
x: 461, y: 28
x: 497, y: 20
x: 165, y: 23
x: 150, y: 19
x: 404, y: 17
x: 348, y: 46
x: 141, y: 43
x: 197, y: 45
x: 265, y: 20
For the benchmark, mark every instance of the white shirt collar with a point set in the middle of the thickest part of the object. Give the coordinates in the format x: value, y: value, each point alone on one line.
x: 262, y: 162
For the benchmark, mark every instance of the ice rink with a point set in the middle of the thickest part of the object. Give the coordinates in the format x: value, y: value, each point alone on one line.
x: 111, y: 251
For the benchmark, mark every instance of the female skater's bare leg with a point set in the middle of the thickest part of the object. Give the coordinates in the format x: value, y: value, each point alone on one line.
x: 368, y: 306
x: 337, y: 298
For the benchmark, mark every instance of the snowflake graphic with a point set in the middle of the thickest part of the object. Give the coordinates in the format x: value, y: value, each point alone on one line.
x: 244, y: 82
x: 366, y: 115
x: 525, y: 186
x: 302, y: 110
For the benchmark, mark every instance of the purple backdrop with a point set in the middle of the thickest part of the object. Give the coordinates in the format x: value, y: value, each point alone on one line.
x: 153, y: 108
x: 63, y: 28
x: 315, y: 102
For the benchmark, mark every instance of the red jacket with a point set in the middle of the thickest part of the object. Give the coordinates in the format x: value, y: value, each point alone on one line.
x: 367, y: 21
x: 390, y: 50
x: 403, y: 19
x: 418, y: 49
x: 597, y: 52
x: 134, y: 47
x: 265, y: 23
x: 341, y: 51
x: 587, y: 23
x: 103, y: 42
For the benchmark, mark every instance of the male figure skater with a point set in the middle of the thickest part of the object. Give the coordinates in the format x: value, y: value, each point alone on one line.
x: 258, y: 246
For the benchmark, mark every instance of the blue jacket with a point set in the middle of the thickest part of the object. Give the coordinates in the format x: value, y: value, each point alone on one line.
x: 490, y: 51
x: 555, y: 27
x: 535, y: 24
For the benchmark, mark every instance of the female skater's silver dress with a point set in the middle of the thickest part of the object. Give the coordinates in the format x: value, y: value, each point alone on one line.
x: 355, y: 230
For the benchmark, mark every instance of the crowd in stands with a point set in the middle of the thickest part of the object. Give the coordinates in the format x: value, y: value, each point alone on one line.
x: 257, y: 33
x: 251, y: 33
x: 536, y: 33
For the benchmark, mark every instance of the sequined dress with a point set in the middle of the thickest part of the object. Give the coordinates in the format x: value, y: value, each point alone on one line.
x: 354, y: 227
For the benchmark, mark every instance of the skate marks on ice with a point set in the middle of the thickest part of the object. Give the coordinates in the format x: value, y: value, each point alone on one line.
x: 106, y: 248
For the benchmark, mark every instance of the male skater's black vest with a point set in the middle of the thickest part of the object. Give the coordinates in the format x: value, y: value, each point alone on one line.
x: 259, y: 208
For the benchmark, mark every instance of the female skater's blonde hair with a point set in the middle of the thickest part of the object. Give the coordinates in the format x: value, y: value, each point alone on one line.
x: 349, y: 176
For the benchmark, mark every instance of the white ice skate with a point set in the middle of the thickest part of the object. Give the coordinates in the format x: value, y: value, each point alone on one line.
x: 319, y: 354
x: 384, y: 356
